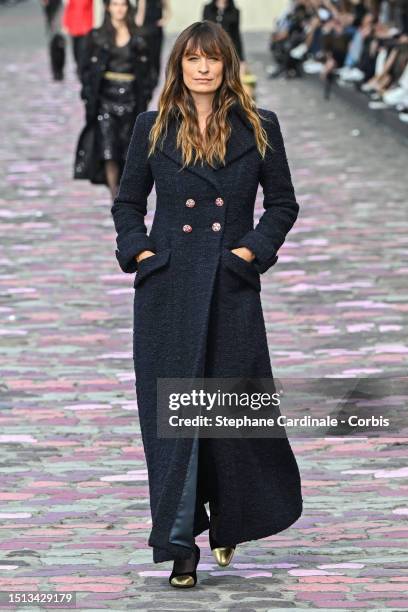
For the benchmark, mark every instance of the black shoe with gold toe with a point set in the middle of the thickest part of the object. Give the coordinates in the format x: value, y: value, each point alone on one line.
x: 222, y: 554
x: 184, y: 572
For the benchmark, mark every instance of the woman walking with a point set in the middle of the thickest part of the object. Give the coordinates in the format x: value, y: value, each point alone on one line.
x: 227, y: 15
x: 197, y: 306
x: 116, y: 86
x: 153, y: 16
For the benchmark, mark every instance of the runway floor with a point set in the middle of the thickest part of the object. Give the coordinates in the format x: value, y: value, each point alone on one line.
x: 74, y: 506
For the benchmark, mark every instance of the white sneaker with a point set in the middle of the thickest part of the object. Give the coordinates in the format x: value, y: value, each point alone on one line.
x: 367, y: 87
x: 312, y: 67
x: 394, y: 96
x: 299, y: 51
x: 344, y: 72
x: 403, y: 80
x: 355, y: 75
x: 377, y: 105
x: 403, y: 117
x: 343, y: 83
x: 271, y: 69
x: 403, y: 105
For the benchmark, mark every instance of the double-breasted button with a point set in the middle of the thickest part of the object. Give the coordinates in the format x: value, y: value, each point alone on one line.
x: 216, y: 226
x: 219, y: 202
x: 190, y: 203
x: 187, y: 228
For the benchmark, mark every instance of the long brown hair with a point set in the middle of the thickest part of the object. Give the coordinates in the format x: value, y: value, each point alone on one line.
x: 107, y: 27
x: 176, y: 100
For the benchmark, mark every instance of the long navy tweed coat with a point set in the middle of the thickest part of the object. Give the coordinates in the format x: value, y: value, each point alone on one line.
x: 197, y: 313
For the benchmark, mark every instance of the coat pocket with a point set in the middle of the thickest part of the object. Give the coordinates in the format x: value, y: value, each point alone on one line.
x: 242, y: 268
x: 150, y: 264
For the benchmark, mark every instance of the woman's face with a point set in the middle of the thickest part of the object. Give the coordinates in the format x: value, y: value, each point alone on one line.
x: 117, y: 9
x: 367, y: 21
x: 202, y: 74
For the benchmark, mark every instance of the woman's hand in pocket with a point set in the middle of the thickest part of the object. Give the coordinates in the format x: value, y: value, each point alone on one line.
x: 144, y: 255
x: 244, y: 253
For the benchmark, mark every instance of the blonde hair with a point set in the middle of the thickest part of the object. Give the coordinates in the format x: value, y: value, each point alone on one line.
x: 176, y: 100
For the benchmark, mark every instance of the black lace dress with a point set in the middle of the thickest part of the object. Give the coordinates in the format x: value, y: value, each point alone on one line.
x: 117, y: 108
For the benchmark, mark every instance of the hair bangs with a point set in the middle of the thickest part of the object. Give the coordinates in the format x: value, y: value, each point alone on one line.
x: 203, y: 41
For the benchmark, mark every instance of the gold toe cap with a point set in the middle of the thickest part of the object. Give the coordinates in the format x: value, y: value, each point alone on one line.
x: 223, y: 555
x: 182, y: 581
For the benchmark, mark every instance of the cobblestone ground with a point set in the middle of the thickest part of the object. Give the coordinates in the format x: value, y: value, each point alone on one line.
x: 74, y: 511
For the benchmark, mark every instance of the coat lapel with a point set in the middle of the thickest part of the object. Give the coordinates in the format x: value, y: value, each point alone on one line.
x: 242, y: 137
x: 240, y: 142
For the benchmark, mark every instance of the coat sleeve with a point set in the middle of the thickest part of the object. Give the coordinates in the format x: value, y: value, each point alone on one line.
x: 144, y: 67
x: 84, y: 67
x: 279, y: 202
x: 130, y: 205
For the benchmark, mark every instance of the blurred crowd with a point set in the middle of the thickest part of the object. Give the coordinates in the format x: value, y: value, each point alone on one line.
x: 360, y: 43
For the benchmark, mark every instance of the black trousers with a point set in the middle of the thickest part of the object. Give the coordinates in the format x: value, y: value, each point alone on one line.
x: 207, y: 482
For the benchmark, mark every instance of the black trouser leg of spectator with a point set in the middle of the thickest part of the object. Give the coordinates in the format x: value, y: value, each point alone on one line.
x: 56, y: 40
x: 328, y: 85
x: 57, y: 56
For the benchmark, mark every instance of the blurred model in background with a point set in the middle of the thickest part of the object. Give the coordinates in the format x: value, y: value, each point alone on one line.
x: 153, y: 16
x: 117, y: 84
x: 53, y: 10
x: 227, y: 15
x: 78, y: 21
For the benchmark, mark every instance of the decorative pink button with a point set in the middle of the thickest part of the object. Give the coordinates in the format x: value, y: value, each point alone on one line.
x: 190, y: 203
x: 219, y: 202
x: 216, y: 227
x: 187, y: 228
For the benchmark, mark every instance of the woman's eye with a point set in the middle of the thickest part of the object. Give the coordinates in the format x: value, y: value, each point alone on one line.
x: 214, y: 59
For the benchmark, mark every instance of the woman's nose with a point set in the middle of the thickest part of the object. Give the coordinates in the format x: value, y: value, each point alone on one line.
x: 203, y: 67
